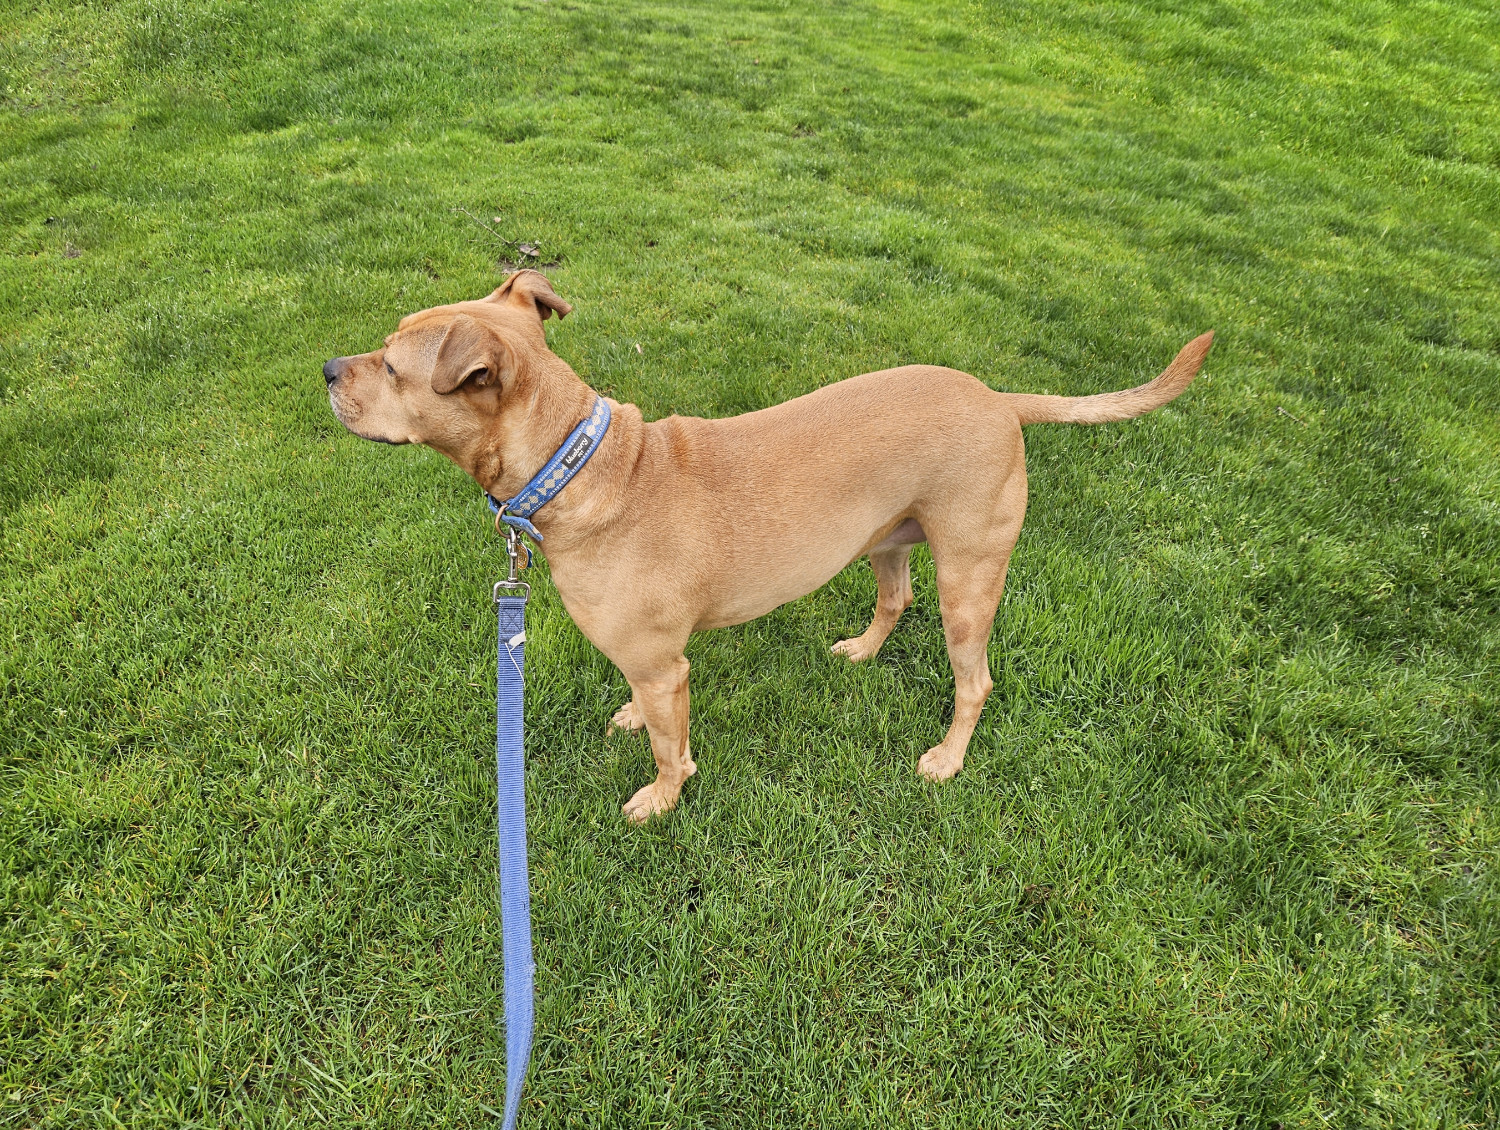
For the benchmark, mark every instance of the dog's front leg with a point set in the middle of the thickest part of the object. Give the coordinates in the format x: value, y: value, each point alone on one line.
x: 660, y: 698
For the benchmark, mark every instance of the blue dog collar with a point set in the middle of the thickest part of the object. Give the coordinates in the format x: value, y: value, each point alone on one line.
x: 558, y: 471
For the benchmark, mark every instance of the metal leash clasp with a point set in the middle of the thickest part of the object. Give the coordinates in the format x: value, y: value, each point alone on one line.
x: 514, y: 547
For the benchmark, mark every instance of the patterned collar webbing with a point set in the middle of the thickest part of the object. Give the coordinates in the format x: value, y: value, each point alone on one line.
x: 566, y: 462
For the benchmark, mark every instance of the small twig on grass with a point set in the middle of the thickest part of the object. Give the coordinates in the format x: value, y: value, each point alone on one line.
x: 1288, y: 415
x: 481, y: 225
x: 524, y: 250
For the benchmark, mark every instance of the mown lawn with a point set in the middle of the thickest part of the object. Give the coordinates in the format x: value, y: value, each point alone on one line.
x: 1224, y: 850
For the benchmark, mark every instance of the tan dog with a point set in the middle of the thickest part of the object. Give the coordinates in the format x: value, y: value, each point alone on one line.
x: 685, y: 524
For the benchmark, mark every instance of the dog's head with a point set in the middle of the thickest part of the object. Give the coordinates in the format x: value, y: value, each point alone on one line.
x: 441, y: 378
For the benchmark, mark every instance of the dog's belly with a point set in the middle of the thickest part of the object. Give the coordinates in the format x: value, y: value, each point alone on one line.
x: 785, y: 579
x: 909, y: 532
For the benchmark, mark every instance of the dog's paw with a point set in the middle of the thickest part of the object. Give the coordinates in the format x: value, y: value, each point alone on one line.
x: 855, y: 650
x: 627, y: 718
x: 938, y: 764
x: 653, y: 800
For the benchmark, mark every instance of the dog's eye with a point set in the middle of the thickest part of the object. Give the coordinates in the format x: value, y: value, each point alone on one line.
x: 389, y: 370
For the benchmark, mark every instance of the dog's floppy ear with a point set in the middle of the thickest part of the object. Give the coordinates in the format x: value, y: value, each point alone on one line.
x: 469, y: 351
x: 530, y: 288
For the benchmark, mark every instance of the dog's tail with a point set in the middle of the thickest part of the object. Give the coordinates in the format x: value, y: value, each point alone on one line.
x: 1108, y: 406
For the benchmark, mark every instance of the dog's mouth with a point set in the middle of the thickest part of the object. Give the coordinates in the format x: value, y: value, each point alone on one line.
x: 339, y: 413
x: 348, y: 420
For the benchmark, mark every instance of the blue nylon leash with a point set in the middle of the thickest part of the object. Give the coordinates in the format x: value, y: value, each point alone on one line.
x: 510, y: 804
x: 510, y: 598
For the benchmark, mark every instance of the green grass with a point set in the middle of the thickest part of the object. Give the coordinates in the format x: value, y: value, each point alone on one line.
x: 1224, y: 852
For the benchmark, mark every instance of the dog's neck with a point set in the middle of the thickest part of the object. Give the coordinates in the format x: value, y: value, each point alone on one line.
x: 530, y: 424
x: 533, y: 422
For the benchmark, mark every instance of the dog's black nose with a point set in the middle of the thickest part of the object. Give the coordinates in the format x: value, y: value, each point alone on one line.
x: 331, y: 370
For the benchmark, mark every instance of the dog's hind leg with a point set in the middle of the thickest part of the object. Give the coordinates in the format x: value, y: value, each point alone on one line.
x: 893, y: 576
x: 661, y: 700
x: 628, y: 717
x: 969, y: 586
x: 968, y: 605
